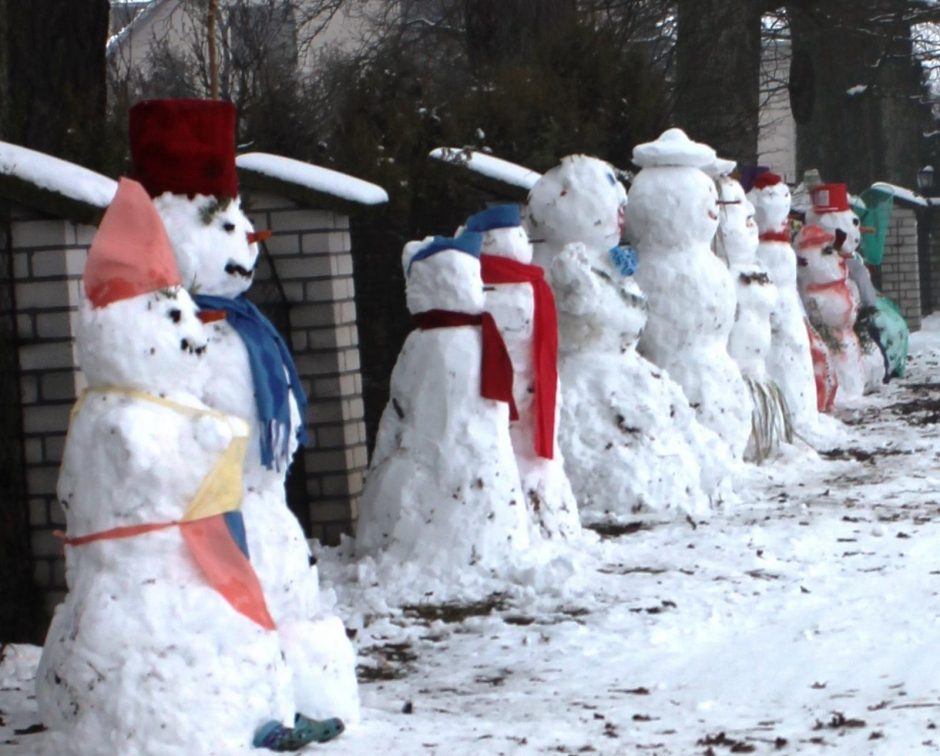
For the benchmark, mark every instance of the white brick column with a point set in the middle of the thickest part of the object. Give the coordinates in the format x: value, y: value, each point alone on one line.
x: 311, y: 253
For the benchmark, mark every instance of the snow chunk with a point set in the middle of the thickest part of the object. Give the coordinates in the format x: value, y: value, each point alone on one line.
x: 856, y: 90
x: 56, y: 175
x: 313, y: 177
x: 487, y: 165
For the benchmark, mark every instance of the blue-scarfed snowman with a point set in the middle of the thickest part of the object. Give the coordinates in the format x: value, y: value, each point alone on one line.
x: 164, y: 643
x: 184, y: 154
x: 443, y: 492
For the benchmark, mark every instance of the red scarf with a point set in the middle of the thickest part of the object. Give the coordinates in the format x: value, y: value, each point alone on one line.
x: 501, y: 270
x: 496, y: 366
x: 782, y: 235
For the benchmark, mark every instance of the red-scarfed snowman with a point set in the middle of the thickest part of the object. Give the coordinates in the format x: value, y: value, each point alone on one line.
x: 521, y: 301
x: 799, y: 359
x: 831, y: 303
x: 184, y: 154
x: 443, y: 496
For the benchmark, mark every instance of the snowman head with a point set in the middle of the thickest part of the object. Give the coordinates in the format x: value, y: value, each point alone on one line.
x: 214, y: 243
x: 771, y: 199
x: 819, y: 256
x: 503, y: 234
x: 183, y: 153
x: 443, y: 273
x: 737, y: 238
x: 579, y: 200
x: 672, y: 201
x: 831, y: 210
x: 137, y: 326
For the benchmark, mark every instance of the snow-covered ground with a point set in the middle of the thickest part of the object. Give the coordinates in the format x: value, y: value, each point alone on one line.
x: 805, y: 621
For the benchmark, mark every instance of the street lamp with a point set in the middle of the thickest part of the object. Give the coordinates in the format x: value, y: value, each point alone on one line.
x: 925, y: 178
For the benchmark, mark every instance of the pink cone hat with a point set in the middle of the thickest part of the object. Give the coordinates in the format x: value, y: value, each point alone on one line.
x: 131, y: 253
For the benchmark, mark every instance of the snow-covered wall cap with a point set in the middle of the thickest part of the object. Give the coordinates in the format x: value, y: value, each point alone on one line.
x: 673, y: 148
x: 312, y: 177
x: 906, y: 195
x: 487, y: 165
x: 720, y: 167
x: 498, y: 216
x: 468, y: 242
x: 56, y: 176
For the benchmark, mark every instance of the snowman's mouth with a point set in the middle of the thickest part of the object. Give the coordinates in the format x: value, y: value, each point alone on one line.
x: 234, y: 269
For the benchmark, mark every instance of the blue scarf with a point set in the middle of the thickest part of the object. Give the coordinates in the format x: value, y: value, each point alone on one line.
x: 268, y: 357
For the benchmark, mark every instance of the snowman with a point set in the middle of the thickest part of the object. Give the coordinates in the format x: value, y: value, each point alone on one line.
x: 164, y: 643
x: 750, y: 340
x: 632, y: 443
x: 831, y: 303
x: 672, y: 215
x: 799, y: 359
x: 184, y: 154
x: 443, y: 491
x: 830, y: 209
x: 521, y: 302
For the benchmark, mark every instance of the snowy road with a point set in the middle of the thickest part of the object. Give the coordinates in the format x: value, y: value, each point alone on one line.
x: 805, y: 621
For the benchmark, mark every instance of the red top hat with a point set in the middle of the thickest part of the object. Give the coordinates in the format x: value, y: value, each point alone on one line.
x: 813, y: 236
x: 829, y: 198
x: 130, y: 253
x: 184, y: 147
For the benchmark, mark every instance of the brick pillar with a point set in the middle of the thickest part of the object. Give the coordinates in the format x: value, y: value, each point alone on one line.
x: 311, y: 253
x: 48, y: 258
x: 900, y: 270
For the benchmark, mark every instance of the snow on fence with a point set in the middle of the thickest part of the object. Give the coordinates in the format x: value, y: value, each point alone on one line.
x: 310, y: 262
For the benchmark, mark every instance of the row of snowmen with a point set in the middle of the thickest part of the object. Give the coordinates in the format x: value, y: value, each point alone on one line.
x: 710, y: 344
x: 193, y: 622
x: 553, y: 374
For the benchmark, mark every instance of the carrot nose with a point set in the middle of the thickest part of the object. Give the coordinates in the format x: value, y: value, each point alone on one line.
x: 211, y: 316
x: 258, y: 236
x: 867, y: 229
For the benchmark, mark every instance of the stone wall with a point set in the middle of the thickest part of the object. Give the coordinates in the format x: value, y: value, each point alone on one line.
x: 900, y: 271
x: 311, y: 257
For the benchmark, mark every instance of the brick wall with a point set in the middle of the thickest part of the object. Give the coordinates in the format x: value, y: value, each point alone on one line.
x: 48, y: 257
x: 312, y: 258
x: 900, y: 276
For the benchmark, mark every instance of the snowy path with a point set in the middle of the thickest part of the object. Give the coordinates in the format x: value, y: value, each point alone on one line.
x: 806, y: 621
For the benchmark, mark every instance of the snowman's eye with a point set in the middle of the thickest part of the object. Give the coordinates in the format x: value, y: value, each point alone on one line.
x: 175, y: 315
x: 229, y: 226
x: 854, y: 221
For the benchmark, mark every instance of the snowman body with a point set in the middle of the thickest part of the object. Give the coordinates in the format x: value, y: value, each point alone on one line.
x: 443, y: 490
x: 672, y: 215
x: 631, y: 441
x: 750, y: 340
x: 832, y: 307
x: 216, y: 257
x: 802, y: 378
x: 550, y: 501
x: 144, y: 655
x: 755, y: 294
